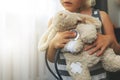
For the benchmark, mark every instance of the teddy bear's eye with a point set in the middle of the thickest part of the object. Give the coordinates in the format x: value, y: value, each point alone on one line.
x: 79, y: 21
x: 63, y: 15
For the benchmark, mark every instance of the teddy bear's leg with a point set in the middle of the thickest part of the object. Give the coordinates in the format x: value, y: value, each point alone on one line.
x: 111, y: 61
x: 78, y: 71
x: 73, y: 43
x: 77, y: 68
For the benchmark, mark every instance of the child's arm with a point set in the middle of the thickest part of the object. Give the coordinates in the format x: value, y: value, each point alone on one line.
x: 107, y: 40
x: 109, y: 30
x: 59, y: 41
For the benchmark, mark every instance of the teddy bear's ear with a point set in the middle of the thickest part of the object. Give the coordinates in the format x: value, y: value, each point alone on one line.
x: 45, y: 39
x: 42, y: 46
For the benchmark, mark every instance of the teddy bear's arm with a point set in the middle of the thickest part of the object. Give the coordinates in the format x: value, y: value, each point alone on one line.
x: 111, y: 61
x: 45, y: 39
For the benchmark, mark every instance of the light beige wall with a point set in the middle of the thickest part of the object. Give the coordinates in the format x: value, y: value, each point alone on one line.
x: 114, y: 12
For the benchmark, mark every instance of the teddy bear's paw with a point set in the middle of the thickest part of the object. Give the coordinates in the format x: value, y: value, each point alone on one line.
x: 42, y: 48
x: 78, y: 71
x: 76, y: 68
x: 73, y: 46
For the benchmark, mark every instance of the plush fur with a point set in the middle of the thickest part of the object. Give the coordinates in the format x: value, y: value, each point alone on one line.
x: 79, y: 61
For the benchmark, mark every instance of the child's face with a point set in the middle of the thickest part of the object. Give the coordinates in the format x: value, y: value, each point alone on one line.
x: 71, y: 5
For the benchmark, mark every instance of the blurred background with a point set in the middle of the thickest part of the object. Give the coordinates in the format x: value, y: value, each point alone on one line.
x: 22, y: 22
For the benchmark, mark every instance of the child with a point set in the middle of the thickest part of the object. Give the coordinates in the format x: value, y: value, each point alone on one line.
x: 102, y: 42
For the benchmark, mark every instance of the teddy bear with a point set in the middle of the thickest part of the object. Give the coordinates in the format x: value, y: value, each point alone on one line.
x: 86, y: 28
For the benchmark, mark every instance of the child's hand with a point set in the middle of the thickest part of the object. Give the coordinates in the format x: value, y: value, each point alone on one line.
x: 99, y: 46
x: 61, y: 38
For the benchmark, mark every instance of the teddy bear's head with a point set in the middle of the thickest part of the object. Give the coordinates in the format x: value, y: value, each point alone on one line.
x: 65, y: 20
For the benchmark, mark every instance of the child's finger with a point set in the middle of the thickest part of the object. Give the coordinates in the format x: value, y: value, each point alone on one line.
x: 69, y: 35
x: 90, y: 46
x: 65, y: 41
x: 68, y: 32
x: 60, y: 46
x: 95, y: 49
x: 101, y: 51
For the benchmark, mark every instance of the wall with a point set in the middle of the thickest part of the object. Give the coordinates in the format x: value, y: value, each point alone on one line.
x: 114, y: 12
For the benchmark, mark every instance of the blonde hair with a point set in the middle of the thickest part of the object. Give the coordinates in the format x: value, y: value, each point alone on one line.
x: 87, y: 3
x: 93, y: 3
